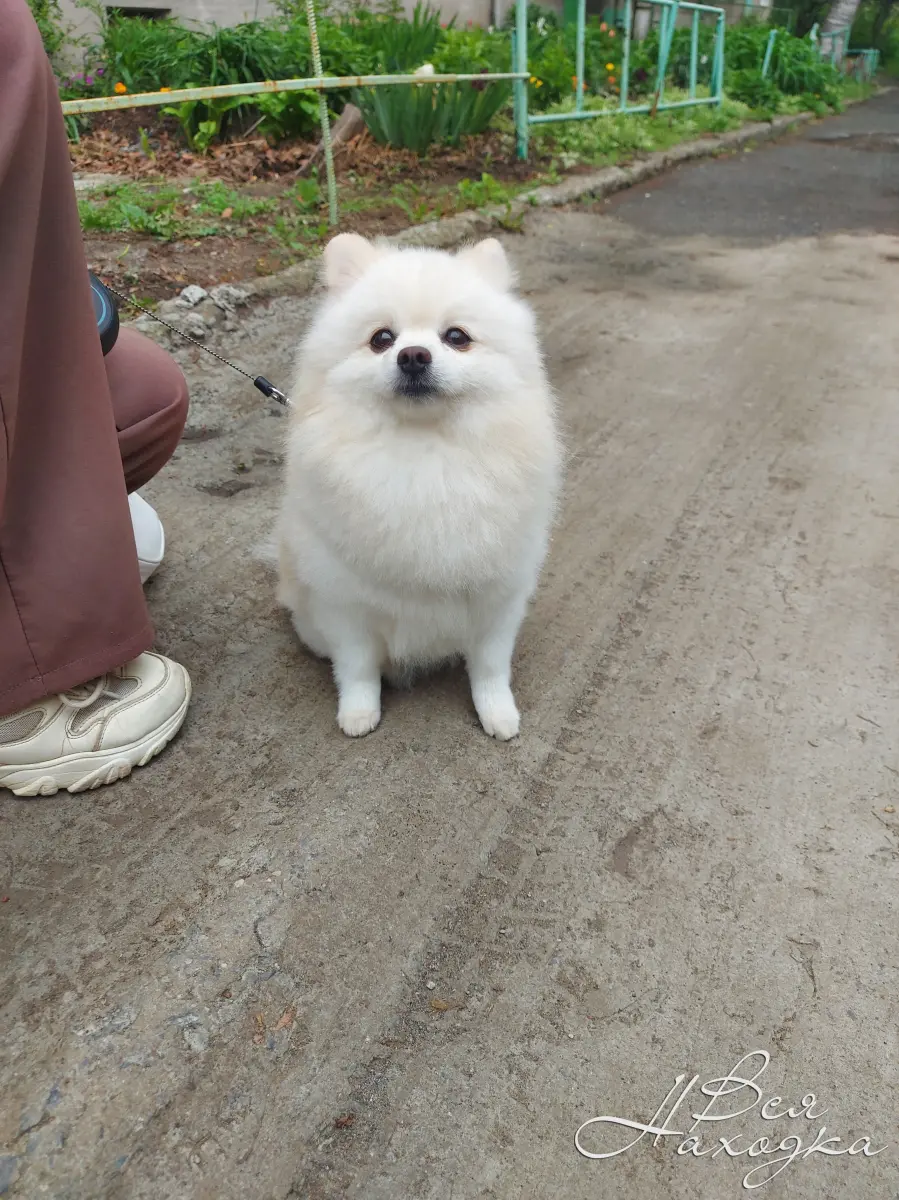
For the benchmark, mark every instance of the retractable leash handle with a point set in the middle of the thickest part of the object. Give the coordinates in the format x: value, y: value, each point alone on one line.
x: 106, y: 313
x: 107, y: 316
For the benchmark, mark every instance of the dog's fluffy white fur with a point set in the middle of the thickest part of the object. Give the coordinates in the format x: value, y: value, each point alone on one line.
x: 418, y: 502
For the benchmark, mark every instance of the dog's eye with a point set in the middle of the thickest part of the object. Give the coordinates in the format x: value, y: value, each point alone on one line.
x: 457, y: 338
x: 382, y: 340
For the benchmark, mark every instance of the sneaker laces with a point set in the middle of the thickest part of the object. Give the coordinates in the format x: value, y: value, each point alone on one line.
x: 86, y: 694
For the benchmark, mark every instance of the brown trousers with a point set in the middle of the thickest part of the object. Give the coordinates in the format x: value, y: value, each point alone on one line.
x: 77, y: 431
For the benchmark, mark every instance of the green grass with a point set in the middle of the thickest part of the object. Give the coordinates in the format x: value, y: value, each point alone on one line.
x: 169, y: 212
x: 295, y: 219
x: 605, y: 140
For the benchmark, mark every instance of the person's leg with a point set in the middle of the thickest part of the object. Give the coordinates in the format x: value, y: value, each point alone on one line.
x: 71, y: 602
x: 150, y: 401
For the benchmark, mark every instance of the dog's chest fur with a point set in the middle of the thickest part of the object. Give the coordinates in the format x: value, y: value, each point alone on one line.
x: 442, y: 510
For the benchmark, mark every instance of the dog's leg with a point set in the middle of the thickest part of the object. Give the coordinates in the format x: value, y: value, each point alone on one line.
x: 357, y: 658
x: 489, y: 662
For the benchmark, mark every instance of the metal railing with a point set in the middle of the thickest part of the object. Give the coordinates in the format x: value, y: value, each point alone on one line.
x: 837, y: 43
x: 670, y: 11
x: 866, y: 64
x: 838, y: 51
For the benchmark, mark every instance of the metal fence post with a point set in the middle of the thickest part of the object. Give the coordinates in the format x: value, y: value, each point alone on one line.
x: 521, y: 85
x: 324, y: 119
x: 769, y: 50
x: 579, y: 55
x: 718, y: 62
x: 666, y: 34
x: 624, y: 82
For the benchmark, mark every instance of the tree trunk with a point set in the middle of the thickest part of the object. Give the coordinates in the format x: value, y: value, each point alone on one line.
x: 841, y: 15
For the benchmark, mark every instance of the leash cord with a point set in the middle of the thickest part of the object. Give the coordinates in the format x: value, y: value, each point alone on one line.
x: 259, y: 381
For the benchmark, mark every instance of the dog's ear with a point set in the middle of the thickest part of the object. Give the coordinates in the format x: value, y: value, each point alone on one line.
x: 347, y: 257
x: 489, y: 259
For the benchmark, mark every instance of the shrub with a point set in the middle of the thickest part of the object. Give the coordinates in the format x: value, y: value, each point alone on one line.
x: 552, y: 61
x: 48, y: 15
x: 466, y: 51
x: 397, y: 45
x: 760, y: 94
x: 877, y: 25
x: 796, y: 66
x: 645, y: 58
x: 414, y: 117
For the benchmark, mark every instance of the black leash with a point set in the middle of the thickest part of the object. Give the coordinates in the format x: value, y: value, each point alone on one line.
x: 259, y: 381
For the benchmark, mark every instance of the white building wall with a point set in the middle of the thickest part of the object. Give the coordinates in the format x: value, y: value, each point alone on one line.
x: 233, y: 12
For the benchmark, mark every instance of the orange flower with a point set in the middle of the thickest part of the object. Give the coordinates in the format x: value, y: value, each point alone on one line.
x: 120, y: 89
x: 611, y: 33
x: 165, y: 89
x: 603, y: 27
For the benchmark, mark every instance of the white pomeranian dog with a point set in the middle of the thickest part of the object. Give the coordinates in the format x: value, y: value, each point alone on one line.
x: 422, y: 471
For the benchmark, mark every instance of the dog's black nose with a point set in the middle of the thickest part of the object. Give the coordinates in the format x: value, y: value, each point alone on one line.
x: 413, y: 360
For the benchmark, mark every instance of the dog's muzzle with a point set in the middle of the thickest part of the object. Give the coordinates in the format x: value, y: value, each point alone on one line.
x: 415, y: 375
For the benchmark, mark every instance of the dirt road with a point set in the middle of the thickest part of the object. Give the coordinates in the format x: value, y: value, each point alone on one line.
x: 281, y: 964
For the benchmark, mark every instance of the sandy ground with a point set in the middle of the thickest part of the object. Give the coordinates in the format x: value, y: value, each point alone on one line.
x: 278, y: 963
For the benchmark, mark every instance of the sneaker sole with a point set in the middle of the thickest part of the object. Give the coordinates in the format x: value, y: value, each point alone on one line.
x: 84, y: 772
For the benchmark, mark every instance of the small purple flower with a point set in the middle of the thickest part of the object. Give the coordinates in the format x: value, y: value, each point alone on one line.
x: 101, y: 70
x: 89, y: 80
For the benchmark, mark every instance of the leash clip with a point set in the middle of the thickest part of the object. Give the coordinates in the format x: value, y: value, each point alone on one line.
x: 273, y: 393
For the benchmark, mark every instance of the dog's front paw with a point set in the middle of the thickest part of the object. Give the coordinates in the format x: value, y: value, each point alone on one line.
x: 497, y: 711
x: 357, y: 722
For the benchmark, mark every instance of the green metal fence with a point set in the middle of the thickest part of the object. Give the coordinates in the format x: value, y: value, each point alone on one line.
x: 834, y: 46
x: 865, y: 64
x: 865, y: 67
x: 670, y: 10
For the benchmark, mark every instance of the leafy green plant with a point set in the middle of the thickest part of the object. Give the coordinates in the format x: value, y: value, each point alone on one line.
x: 795, y: 67
x: 201, y: 121
x: 308, y: 195
x: 286, y: 114
x: 398, y: 45
x: 408, y: 200
x: 478, y: 193
x: 760, y: 94
x: 416, y: 116
x: 467, y: 51
x: 552, y: 60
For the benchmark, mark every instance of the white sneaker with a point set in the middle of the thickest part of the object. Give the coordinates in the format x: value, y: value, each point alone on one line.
x: 96, y: 733
x: 149, y: 536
